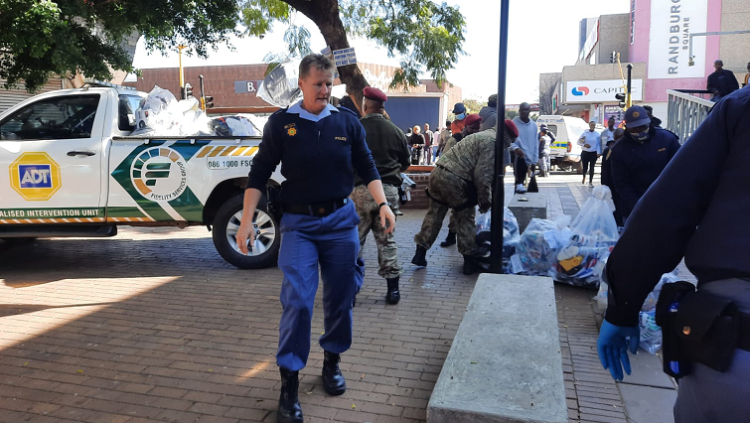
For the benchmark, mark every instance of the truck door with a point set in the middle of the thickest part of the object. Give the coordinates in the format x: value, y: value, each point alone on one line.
x: 51, y: 150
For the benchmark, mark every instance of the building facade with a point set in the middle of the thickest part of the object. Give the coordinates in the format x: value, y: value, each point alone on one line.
x: 665, y: 42
x: 235, y: 87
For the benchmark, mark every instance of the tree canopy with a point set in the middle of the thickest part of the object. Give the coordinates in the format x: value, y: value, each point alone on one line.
x: 44, y: 37
x: 420, y: 32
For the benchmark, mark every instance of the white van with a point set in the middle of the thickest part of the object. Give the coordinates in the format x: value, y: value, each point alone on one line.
x: 565, y: 151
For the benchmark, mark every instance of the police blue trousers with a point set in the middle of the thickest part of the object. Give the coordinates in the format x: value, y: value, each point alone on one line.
x: 709, y: 396
x: 331, y: 242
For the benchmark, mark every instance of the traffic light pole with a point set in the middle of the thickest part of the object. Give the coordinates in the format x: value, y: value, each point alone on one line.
x: 203, y: 98
x: 629, y: 100
x: 182, y: 74
x: 498, y: 188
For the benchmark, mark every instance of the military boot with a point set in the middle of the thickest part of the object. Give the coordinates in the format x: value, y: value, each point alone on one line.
x: 469, y: 266
x: 420, y: 257
x: 449, y: 240
x: 289, y: 409
x: 393, y: 296
x: 333, y: 381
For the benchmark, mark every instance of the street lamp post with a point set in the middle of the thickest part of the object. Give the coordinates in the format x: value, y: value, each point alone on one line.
x: 498, y: 189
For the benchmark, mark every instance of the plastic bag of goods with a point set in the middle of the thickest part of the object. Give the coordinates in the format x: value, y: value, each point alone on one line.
x: 580, y: 261
x: 651, y: 336
x: 160, y: 114
x: 280, y: 87
x: 653, y: 297
x: 232, y: 126
x: 511, y: 235
x: 538, y: 246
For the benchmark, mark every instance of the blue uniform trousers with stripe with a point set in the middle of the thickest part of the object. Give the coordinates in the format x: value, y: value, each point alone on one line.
x: 331, y: 242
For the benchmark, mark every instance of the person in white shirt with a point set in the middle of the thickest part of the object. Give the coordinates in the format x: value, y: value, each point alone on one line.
x: 591, y: 143
x: 609, y: 133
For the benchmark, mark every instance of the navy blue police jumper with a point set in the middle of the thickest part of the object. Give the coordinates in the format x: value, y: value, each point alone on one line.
x: 635, y: 166
x: 318, y: 155
x: 697, y: 209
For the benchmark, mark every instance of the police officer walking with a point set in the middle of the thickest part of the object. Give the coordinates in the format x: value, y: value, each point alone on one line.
x: 461, y: 180
x: 698, y: 209
x: 639, y: 157
x: 388, y: 145
x: 319, y: 147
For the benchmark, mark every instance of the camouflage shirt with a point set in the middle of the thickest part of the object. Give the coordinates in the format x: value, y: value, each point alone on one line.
x: 473, y: 159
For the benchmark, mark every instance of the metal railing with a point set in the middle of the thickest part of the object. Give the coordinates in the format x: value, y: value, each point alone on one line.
x: 687, y: 111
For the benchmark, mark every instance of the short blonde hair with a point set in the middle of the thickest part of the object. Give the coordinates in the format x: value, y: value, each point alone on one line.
x: 318, y: 60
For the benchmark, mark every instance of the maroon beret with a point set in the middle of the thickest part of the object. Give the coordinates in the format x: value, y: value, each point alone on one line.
x: 511, y: 128
x: 473, y: 118
x: 374, y: 94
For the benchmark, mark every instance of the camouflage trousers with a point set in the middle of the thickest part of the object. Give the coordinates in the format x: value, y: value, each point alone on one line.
x: 369, y: 220
x: 451, y: 190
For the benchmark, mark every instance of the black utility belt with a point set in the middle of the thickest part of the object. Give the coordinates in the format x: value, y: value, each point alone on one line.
x: 315, y: 210
x: 699, y: 327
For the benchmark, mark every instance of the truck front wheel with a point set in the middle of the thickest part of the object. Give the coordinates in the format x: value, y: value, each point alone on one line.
x: 265, y: 251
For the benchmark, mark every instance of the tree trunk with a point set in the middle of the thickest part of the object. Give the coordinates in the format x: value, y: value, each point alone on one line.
x: 325, y: 15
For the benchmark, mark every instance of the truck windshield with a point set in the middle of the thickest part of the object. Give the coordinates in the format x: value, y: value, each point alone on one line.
x: 68, y: 117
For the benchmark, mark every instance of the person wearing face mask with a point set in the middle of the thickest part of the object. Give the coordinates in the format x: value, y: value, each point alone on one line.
x: 460, y: 111
x: 639, y: 157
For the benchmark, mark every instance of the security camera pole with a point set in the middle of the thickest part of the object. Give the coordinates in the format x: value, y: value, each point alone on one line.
x: 498, y: 189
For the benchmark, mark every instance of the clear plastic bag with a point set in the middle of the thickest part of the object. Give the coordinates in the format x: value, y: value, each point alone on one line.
x: 229, y: 126
x: 280, y: 87
x: 511, y: 233
x: 160, y: 114
x: 653, y: 297
x: 580, y: 261
x: 538, y: 246
x: 651, y: 336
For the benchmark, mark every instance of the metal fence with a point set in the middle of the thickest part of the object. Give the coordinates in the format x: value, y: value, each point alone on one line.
x: 687, y: 110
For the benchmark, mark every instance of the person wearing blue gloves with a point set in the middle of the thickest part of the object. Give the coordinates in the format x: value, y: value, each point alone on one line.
x: 700, y: 215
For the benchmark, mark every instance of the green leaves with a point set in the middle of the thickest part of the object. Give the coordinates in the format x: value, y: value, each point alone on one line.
x: 43, y: 37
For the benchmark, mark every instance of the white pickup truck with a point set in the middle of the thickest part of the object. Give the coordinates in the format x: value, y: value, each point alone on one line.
x: 73, y: 171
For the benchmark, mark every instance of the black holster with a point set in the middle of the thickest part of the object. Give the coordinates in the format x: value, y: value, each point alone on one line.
x: 273, y: 202
x: 698, y: 327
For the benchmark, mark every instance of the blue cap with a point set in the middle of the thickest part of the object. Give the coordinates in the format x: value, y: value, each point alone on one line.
x: 636, y: 116
x: 459, y: 108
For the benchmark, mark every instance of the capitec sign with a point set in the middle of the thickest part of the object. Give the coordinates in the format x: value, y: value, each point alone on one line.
x: 602, y: 91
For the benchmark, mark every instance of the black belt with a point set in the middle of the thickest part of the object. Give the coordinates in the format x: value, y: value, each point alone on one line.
x: 316, y: 210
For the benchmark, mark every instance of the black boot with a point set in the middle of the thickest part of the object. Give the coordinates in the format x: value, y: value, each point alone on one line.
x: 333, y: 381
x: 449, y: 240
x: 420, y: 257
x: 469, y: 265
x: 289, y: 409
x: 393, y: 296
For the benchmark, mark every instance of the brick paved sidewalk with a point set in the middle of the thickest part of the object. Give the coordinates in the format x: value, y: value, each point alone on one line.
x: 152, y: 326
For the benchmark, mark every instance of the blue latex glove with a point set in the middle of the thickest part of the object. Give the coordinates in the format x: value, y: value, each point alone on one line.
x: 612, y: 346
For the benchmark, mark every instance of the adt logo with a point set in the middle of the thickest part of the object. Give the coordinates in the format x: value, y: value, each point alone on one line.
x: 580, y: 91
x: 35, y: 176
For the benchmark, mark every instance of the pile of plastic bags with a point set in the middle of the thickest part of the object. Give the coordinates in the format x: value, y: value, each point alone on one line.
x: 538, y: 246
x: 161, y: 114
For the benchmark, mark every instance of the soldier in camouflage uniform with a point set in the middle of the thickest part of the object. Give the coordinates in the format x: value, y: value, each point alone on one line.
x: 461, y: 180
x: 389, y: 151
x: 472, y: 123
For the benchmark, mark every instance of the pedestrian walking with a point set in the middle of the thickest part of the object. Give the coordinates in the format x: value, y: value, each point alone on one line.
x: 435, y: 144
x: 388, y: 146
x: 488, y: 113
x: 639, y: 157
x: 427, y: 135
x: 319, y: 146
x: 545, y: 144
x: 591, y: 148
x: 696, y: 210
x: 721, y: 82
x: 608, y: 134
x: 526, y: 146
x: 461, y: 180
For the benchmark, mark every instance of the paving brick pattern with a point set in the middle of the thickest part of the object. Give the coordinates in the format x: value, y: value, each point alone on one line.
x: 153, y: 326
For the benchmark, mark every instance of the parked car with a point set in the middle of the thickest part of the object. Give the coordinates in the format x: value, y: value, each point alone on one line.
x: 75, y: 171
